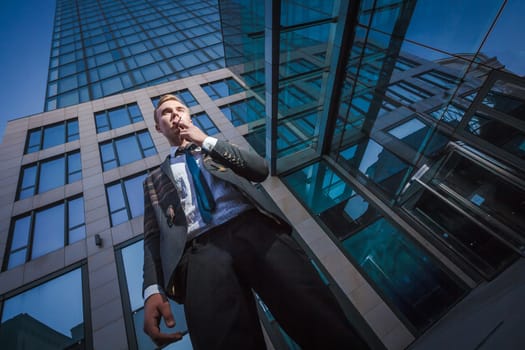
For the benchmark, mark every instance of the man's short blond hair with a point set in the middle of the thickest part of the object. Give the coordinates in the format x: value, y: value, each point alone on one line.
x: 163, y: 99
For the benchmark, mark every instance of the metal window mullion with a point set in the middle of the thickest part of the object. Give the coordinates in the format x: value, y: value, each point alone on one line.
x: 272, y: 9
x: 126, y: 200
x: 29, y: 250
x: 115, y: 153
x: 66, y: 222
x: 342, y: 45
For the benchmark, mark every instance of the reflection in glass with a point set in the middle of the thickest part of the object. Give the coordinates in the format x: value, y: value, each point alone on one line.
x: 76, y: 224
x: 450, y: 114
x: 404, y: 273
x: 498, y: 133
x: 30, y: 320
x: 494, y: 195
x: 375, y: 162
x: 452, y: 26
x: 507, y: 98
x: 318, y: 187
x: 421, y: 137
x: 346, y: 218
x: 469, y: 239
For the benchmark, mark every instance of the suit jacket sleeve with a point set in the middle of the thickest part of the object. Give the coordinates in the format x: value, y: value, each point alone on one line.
x: 243, y: 162
x: 152, y: 263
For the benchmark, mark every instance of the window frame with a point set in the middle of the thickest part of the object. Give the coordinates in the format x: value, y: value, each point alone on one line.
x: 86, y: 299
x: 68, y: 137
x: 38, y: 164
x: 113, y: 142
x: 131, y: 119
x: 31, y: 234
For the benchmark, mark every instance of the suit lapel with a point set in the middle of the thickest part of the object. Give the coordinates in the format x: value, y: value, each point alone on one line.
x: 166, y: 168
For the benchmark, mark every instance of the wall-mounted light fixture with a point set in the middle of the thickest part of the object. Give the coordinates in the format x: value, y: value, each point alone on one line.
x: 98, y: 240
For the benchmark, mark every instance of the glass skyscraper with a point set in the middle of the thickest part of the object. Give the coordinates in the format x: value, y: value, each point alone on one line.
x: 101, y: 48
x: 394, y: 132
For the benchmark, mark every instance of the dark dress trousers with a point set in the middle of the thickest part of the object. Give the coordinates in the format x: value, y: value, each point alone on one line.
x: 214, y: 274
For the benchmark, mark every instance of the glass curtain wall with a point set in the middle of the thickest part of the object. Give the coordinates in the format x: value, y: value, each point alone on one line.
x: 105, y: 47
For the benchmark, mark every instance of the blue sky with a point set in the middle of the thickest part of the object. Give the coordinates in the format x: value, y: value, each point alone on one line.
x: 451, y: 25
x: 25, y: 32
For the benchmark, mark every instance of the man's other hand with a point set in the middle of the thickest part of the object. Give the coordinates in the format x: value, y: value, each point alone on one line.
x: 191, y: 132
x: 155, y: 308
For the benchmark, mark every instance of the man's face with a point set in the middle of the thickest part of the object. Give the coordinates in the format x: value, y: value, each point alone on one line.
x: 169, y: 115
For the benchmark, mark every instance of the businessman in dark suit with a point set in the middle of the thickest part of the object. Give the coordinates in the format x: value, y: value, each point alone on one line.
x: 210, y: 253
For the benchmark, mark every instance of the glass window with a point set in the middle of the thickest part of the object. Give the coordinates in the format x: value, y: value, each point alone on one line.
x: 420, y: 136
x: 126, y: 199
x: 450, y: 114
x: 292, y: 97
x: 127, y: 149
x: 51, y: 135
x: 495, y: 195
x: 203, y: 121
x: 404, y: 273
x: 498, y: 134
x: 28, y: 184
x: 20, y: 241
x: 131, y: 260
x: 72, y: 130
x: 222, y: 88
x: 30, y: 320
x: 185, y: 95
x: 52, y: 174
x: 44, y: 230
x: 439, y: 79
x: 34, y: 141
x: 296, y: 67
x: 375, y: 162
x: 468, y: 238
x: 117, y: 117
x: 402, y: 64
x: 406, y: 93
x: 507, y: 98
x: 243, y: 112
x: 49, y: 174
x: 48, y: 233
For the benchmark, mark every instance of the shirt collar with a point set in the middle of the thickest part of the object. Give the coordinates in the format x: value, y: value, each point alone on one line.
x: 194, y: 148
x: 173, y: 150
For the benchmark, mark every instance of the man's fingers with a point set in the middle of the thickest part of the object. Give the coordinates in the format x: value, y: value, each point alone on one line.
x: 165, y: 311
x: 161, y: 339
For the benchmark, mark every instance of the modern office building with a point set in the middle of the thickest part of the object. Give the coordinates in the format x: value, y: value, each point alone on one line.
x: 396, y: 150
x: 100, y: 48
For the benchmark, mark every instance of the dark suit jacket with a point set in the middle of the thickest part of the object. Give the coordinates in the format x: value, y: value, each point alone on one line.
x: 165, y: 228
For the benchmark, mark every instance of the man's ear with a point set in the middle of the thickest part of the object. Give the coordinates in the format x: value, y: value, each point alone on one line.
x: 157, y: 127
